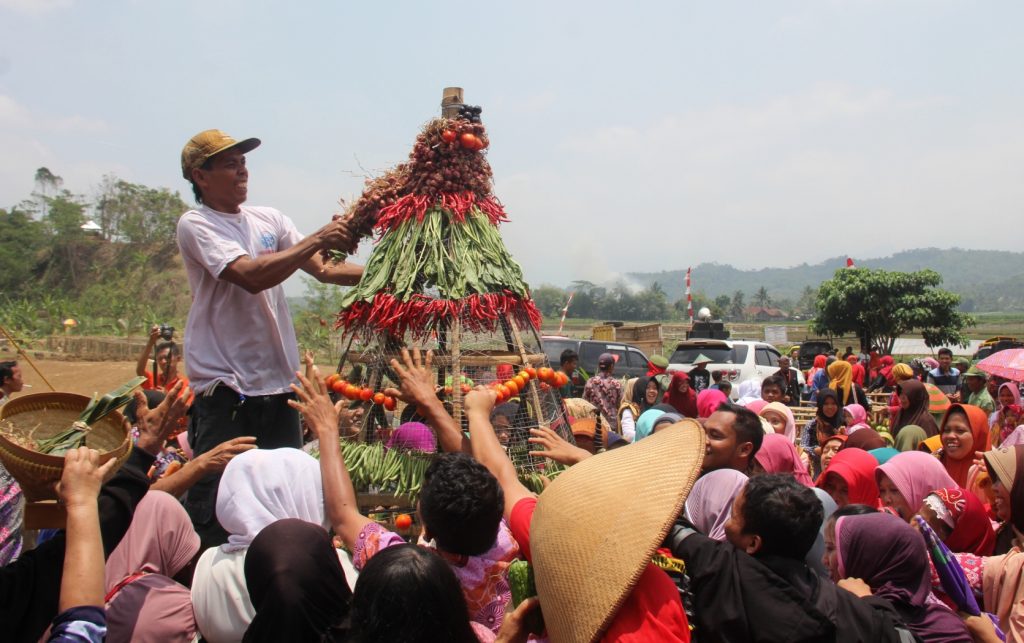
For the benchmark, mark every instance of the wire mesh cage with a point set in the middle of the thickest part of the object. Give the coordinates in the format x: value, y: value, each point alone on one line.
x: 440, y: 279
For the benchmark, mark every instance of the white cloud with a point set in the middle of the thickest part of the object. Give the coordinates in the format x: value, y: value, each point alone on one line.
x: 33, y: 140
x: 790, y: 179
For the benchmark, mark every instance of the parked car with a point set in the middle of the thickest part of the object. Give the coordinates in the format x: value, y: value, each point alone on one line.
x: 739, y: 360
x: 632, y: 361
x: 995, y: 345
x: 811, y: 349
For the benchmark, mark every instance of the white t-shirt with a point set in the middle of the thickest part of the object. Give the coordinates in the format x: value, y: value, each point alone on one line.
x: 242, y: 340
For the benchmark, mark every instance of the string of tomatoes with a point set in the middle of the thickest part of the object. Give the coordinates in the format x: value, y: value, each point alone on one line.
x: 354, y: 392
x: 504, y: 389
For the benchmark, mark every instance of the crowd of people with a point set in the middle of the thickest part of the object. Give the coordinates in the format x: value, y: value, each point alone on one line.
x: 683, y: 510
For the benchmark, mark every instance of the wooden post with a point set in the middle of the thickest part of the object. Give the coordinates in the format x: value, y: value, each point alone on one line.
x: 457, y: 371
x: 533, y: 383
x: 451, y: 101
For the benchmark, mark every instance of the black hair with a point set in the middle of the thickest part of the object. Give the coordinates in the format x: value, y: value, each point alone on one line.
x: 410, y: 414
x: 747, y: 426
x: 568, y: 355
x: 173, y: 346
x: 716, y: 376
x: 7, y: 370
x: 725, y: 385
x: 507, y: 410
x: 946, y: 351
x: 784, y: 513
x: 774, y: 380
x: 461, y: 504
x: 408, y: 593
x: 207, y: 164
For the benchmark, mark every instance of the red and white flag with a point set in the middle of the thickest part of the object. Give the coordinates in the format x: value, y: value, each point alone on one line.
x: 849, y: 263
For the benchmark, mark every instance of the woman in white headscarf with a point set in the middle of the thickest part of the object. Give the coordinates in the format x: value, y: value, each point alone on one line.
x: 748, y: 391
x: 258, y: 488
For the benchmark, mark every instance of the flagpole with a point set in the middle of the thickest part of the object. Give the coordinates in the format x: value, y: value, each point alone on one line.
x: 565, y: 310
x: 689, y: 297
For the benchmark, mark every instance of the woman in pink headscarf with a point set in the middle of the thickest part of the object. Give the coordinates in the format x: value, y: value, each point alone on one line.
x: 780, y: 417
x: 412, y: 435
x: 778, y: 455
x: 145, y: 601
x: 856, y: 418
x: 708, y: 402
x: 905, y: 480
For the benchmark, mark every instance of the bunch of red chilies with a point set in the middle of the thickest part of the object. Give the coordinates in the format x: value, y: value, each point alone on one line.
x: 422, y: 314
x: 459, y: 204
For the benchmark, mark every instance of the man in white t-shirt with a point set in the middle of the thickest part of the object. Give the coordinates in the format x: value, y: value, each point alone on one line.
x: 240, y: 348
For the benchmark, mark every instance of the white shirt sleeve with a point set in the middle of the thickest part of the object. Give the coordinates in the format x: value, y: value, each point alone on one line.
x: 628, y: 425
x: 200, y: 240
x: 289, y: 235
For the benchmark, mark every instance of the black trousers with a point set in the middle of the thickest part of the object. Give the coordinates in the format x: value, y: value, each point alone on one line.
x: 224, y: 415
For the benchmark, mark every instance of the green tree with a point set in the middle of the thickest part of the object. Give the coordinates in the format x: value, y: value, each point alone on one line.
x: 138, y: 214
x: 722, y: 303
x: 314, y: 318
x: 807, y: 302
x: 550, y: 301
x: 736, y: 306
x: 880, y: 306
x: 22, y: 239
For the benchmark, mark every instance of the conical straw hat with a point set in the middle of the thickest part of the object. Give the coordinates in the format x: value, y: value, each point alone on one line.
x: 597, y: 525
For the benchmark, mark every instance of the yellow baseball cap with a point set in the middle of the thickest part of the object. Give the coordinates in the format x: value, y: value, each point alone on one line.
x: 207, y: 143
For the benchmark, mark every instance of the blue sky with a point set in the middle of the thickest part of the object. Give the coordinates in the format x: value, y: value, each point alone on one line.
x: 624, y: 136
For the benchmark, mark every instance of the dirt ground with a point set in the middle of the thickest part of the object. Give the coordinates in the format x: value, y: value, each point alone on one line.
x: 84, y: 378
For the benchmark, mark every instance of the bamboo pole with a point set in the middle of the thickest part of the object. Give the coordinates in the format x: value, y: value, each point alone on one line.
x: 28, y: 359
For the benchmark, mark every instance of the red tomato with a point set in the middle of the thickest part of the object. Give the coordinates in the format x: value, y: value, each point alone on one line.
x: 561, y: 379
x: 447, y: 136
x: 332, y: 378
x: 390, y: 403
x: 544, y: 374
x: 365, y: 394
x: 522, y: 380
x: 447, y: 390
x: 531, y: 372
x: 351, y: 391
x: 504, y: 391
x: 465, y: 388
x: 513, y: 386
x: 378, y: 398
x: 403, y: 521
x: 469, y: 141
x: 338, y: 386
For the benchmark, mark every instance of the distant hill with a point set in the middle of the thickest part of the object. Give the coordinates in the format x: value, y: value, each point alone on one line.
x: 987, y: 280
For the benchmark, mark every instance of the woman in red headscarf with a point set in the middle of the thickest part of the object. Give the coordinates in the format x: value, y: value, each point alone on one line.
x: 964, y: 431
x: 681, y: 395
x: 859, y: 374
x: 959, y: 519
x: 850, y: 478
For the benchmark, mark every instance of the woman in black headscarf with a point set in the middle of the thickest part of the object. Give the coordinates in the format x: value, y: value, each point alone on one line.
x: 296, y: 585
x: 826, y: 423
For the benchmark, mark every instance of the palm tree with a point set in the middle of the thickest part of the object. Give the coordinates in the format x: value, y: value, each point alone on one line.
x: 762, y: 298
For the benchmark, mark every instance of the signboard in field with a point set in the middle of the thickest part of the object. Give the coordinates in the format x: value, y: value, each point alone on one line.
x: 775, y: 335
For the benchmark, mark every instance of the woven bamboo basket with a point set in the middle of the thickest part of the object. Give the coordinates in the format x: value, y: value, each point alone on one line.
x: 48, y: 414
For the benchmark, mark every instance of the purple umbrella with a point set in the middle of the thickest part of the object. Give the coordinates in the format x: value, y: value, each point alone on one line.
x: 951, y: 575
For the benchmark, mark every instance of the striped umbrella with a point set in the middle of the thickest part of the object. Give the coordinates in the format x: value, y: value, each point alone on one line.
x: 1008, y: 364
x: 938, y: 403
